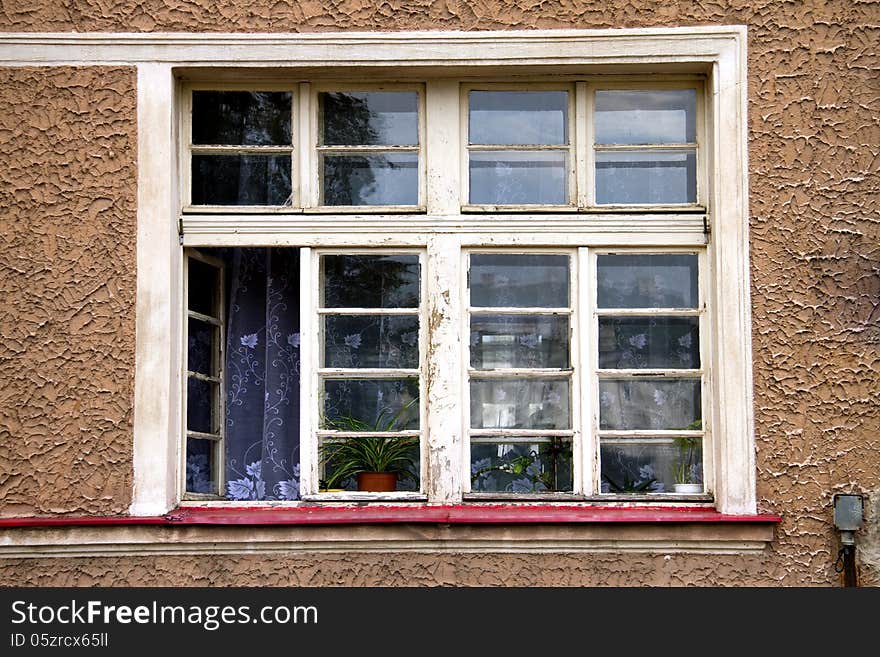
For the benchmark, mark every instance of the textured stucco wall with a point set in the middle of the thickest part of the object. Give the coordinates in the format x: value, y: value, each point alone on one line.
x: 67, y: 287
x: 375, y: 569
x: 814, y: 103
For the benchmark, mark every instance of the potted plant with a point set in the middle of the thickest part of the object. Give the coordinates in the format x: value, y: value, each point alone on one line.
x: 376, y: 463
x: 686, y: 468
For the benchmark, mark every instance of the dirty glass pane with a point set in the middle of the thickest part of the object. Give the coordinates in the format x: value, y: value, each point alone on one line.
x: 629, y: 404
x: 370, y: 404
x: 382, y: 118
x: 241, y: 118
x: 660, y: 116
x: 646, y: 177
x: 370, y: 281
x: 647, y: 281
x: 378, y: 179
x: 202, y: 345
x: 519, y: 280
x: 395, y: 454
x: 542, y: 466
x: 657, y: 467
x: 202, y: 287
x: 240, y: 179
x: 201, y: 406
x: 201, y: 469
x: 649, y: 342
x: 499, y: 341
x: 371, y: 341
x: 520, y: 404
x: 518, y: 177
x: 518, y: 117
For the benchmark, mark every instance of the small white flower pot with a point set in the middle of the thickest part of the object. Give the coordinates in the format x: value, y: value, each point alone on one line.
x: 689, y: 488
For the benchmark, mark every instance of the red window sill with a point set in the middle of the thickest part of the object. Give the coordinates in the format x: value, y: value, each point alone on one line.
x: 395, y: 514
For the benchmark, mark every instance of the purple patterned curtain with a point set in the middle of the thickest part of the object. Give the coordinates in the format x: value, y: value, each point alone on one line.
x: 262, y: 375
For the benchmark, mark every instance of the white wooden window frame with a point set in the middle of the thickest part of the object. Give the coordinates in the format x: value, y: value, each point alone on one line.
x: 218, y: 404
x: 569, y: 149
x: 314, y: 373
x: 187, y: 149
x: 590, y: 348
x: 588, y: 198
x: 443, y: 59
x: 314, y: 201
x: 572, y: 374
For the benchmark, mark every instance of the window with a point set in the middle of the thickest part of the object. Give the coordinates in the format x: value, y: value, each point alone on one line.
x: 539, y: 361
x: 521, y: 281
x: 518, y: 146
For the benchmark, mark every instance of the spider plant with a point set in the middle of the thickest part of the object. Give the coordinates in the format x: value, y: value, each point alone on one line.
x: 352, y: 456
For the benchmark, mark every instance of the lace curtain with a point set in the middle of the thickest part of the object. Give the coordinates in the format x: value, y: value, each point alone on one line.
x: 261, y: 374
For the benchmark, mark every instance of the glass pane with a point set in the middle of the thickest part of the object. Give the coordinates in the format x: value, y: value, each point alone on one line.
x: 384, y: 118
x: 518, y: 280
x: 518, y: 117
x: 239, y: 118
x: 518, y: 177
x: 636, y: 467
x: 371, y: 405
x: 240, y: 179
x: 371, y: 341
x: 646, y: 117
x: 646, y: 177
x: 630, y: 404
x: 202, y: 346
x: 344, y: 460
x: 647, y: 281
x: 543, y: 466
x: 649, y: 342
x: 202, y: 287
x: 519, y: 341
x: 201, y: 406
x: 371, y: 281
x: 382, y: 179
x: 520, y: 404
x: 201, y: 470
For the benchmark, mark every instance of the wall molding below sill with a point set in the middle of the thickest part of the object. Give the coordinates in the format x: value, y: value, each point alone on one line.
x: 150, y: 540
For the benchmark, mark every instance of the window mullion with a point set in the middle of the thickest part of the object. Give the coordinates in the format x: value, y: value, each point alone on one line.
x: 308, y: 424
x: 586, y: 477
x: 304, y: 139
x: 443, y: 368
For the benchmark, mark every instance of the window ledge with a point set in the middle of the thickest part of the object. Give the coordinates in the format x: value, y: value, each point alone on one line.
x: 392, y: 528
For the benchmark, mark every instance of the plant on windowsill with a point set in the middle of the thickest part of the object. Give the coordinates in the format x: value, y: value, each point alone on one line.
x: 375, y: 463
x: 686, y: 468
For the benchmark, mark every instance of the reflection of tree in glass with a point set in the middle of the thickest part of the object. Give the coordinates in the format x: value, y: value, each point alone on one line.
x: 348, y: 121
x: 366, y: 281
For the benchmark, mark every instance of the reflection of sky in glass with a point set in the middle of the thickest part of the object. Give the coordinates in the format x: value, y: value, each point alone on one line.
x: 387, y: 179
x: 647, y: 281
x: 518, y: 117
x: 506, y: 177
x: 646, y: 117
x: 388, y: 118
x: 646, y: 177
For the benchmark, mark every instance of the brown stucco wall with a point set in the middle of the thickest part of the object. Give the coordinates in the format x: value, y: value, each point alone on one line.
x: 411, y: 569
x: 814, y: 102
x: 67, y: 287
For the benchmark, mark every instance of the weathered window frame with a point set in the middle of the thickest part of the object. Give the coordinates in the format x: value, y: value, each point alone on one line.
x: 717, y: 52
x: 314, y: 373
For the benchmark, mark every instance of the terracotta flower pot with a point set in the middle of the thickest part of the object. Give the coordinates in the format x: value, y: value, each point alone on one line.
x: 377, y: 482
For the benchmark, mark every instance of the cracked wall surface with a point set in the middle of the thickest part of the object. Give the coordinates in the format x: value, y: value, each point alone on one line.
x: 814, y: 137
